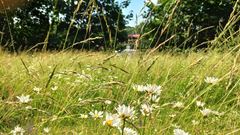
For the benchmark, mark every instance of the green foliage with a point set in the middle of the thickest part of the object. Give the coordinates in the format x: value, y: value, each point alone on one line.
x: 192, y: 22
x: 65, y: 23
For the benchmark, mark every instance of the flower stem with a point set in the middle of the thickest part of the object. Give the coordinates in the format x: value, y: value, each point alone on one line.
x: 123, y: 126
x: 144, y: 125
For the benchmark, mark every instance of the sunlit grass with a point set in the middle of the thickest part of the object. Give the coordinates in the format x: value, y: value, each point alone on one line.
x: 73, y: 84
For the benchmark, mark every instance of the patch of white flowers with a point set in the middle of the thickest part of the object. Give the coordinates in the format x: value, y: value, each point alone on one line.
x: 18, y: 130
x: 149, y: 89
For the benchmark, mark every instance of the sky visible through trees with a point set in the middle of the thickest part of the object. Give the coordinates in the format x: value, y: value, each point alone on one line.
x: 136, y: 7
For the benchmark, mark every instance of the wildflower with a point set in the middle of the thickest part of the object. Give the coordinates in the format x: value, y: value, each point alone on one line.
x: 200, y: 104
x: 17, y: 130
x: 179, y: 132
x: 155, y: 98
x: 212, y: 80
x: 83, y: 116
x: 46, y: 130
x: 150, y: 89
x: 108, y: 102
x: 24, y: 99
x: 96, y: 114
x: 128, y: 131
x: 125, y: 111
x: 178, y: 105
x: 153, y: 89
x: 37, y: 89
x: 112, y: 120
x: 146, y: 109
x: 206, y: 112
x: 54, y: 88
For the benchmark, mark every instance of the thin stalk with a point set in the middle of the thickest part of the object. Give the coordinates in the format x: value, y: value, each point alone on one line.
x: 71, y: 23
x: 124, y: 122
x: 144, y: 124
x: 9, y: 28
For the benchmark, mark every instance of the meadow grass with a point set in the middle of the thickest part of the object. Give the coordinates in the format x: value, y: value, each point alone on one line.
x: 75, y: 83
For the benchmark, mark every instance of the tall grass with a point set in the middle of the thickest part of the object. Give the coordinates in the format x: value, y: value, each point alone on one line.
x: 95, y: 78
x: 65, y: 85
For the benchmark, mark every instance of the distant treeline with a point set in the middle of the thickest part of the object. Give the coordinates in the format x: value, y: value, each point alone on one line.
x: 62, y: 24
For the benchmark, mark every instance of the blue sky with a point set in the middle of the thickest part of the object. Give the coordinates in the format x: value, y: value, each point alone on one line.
x: 136, y: 6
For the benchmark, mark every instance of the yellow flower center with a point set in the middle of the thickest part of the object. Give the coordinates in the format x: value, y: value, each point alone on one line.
x: 96, y: 115
x: 109, y: 122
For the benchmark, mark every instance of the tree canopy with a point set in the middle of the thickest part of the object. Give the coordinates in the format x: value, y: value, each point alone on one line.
x: 61, y: 24
x: 192, y: 22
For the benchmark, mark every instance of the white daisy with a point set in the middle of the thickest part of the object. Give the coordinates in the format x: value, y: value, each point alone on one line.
x: 207, y: 112
x: 146, y: 109
x: 179, y: 132
x: 149, y: 88
x: 108, y: 102
x: 155, y: 98
x: 212, y: 80
x: 112, y: 120
x: 125, y: 111
x: 24, y: 99
x: 128, y: 131
x: 96, y: 114
x: 153, y: 89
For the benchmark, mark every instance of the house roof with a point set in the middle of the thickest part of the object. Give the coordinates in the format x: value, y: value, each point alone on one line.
x: 133, y: 35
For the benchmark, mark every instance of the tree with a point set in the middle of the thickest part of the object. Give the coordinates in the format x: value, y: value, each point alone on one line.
x: 61, y: 24
x: 192, y: 22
